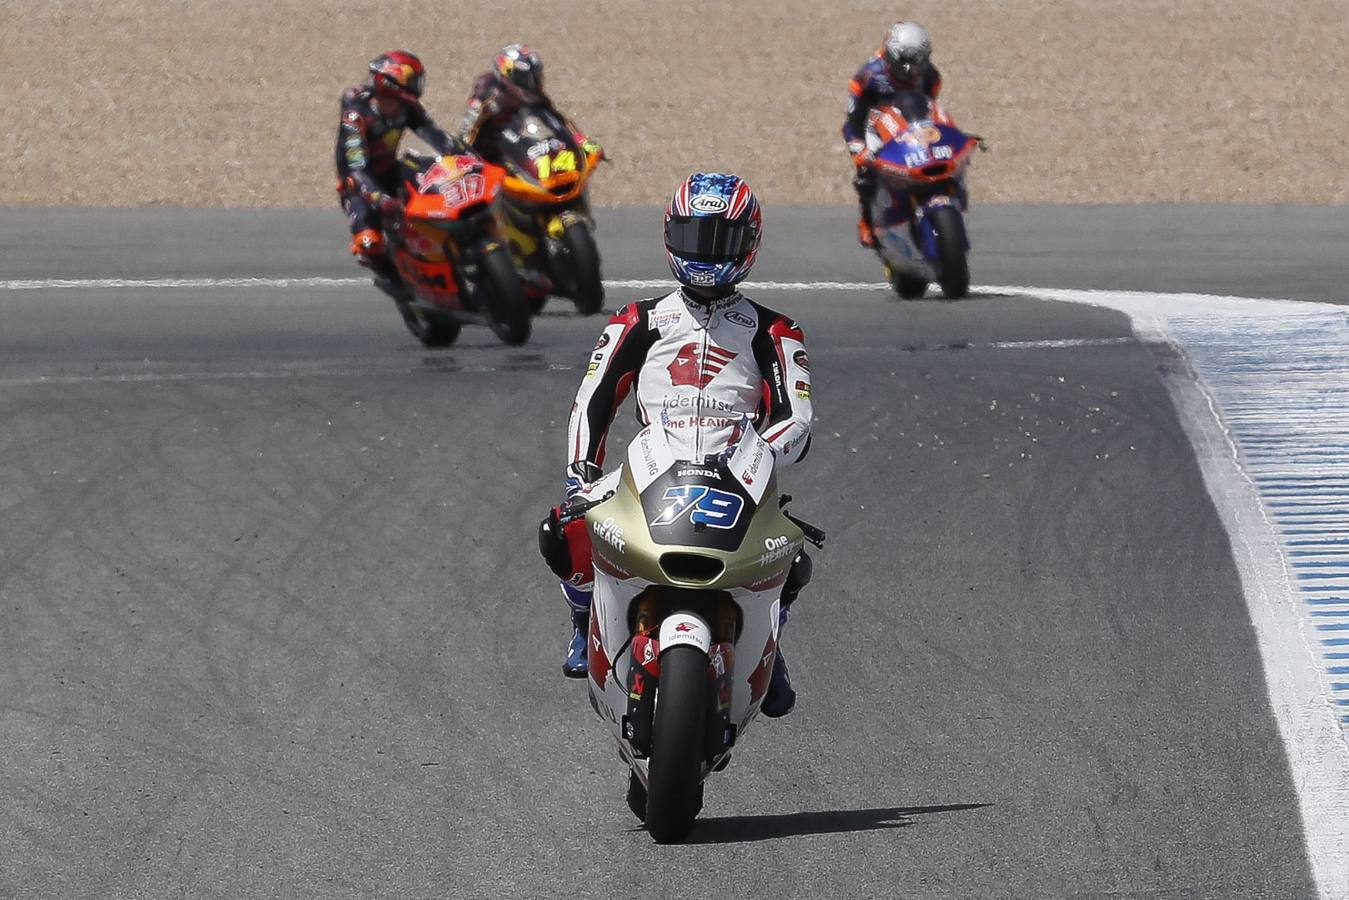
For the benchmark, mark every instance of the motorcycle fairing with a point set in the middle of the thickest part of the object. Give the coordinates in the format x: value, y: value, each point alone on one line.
x: 628, y: 571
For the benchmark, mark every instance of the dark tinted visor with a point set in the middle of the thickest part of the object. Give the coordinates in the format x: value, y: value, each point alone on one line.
x: 708, y: 238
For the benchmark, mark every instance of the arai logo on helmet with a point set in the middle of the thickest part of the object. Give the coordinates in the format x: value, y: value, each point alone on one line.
x: 709, y: 203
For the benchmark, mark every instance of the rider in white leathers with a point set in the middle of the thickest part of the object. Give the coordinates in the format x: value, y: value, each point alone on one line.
x: 702, y: 358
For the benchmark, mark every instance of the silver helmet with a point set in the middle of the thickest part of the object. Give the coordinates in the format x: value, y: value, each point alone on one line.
x: 907, y: 49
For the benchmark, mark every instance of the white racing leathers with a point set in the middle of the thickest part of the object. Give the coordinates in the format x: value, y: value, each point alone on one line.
x: 704, y: 367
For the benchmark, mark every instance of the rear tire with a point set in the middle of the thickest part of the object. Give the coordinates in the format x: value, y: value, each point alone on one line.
x: 584, y: 259
x: 432, y: 330
x: 508, y: 309
x: 910, y: 287
x: 674, y: 788
x: 953, y: 272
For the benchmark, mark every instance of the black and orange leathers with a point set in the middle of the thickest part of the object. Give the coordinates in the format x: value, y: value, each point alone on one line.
x: 367, y: 148
x: 699, y: 369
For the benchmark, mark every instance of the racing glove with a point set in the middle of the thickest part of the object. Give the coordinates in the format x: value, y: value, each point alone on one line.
x: 862, y: 157
x: 580, y: 476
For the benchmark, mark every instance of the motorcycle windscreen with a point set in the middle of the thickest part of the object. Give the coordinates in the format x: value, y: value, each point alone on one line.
x: 914, y: 106
x: 709, y: 239
x: 530, y: 134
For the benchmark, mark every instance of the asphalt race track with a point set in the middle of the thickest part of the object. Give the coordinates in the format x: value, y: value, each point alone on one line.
x: 273, y: 624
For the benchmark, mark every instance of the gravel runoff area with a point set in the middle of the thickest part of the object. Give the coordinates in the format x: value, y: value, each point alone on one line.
x: 195, y: 103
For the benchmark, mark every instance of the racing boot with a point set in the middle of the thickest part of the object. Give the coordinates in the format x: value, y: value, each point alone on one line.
x: 781, y: 696
x: 865, y: 185
x: 575, y: 665
x: 367, y: 245
x: 866, y: 235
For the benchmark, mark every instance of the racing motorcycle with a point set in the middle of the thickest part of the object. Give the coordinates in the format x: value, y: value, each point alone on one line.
x: 690, y: 562
x: 918, y: 208
x: 450, y: 265
x: 548, y: 221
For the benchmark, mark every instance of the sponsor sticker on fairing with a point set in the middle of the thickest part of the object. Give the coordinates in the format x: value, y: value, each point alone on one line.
x: 777, y: 548
x: 610, y: 532
x: 648, y: 456
x: 752, y: 464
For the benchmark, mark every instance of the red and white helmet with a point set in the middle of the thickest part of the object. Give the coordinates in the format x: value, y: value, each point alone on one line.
x: 712, y: 230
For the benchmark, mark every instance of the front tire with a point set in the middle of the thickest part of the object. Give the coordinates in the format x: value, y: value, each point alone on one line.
x: 508, y: 309
x: 674, y: 777
x: 953, y: 271
x: 583, y: 257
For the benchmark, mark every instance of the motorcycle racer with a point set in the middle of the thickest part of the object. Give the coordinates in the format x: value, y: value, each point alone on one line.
x: 903, y: 63
x: 701, y: 359
x: 374, y: 116
x: 515, y: 80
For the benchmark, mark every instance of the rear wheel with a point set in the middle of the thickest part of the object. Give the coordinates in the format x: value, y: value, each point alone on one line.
x: 674, y: 789
x: 584, y: 259
x: 431, y: 329
x: 910, y: 287
x: 508, y: 310
x: 953, y: 270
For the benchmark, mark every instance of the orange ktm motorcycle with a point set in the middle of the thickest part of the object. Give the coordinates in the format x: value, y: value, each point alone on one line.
x: 450, y: 264
x: 548, y: 222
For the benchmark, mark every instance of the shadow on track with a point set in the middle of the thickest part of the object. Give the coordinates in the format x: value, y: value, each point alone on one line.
x: 734, y: 829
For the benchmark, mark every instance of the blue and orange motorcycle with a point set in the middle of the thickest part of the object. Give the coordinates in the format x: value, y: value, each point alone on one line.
x: 918, y: 209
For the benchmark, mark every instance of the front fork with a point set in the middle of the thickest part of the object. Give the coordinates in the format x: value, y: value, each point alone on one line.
x: 644, y: 679
x: 951, y: 193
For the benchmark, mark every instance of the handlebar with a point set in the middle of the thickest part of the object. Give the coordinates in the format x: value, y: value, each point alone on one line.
x: 573, y: 510
x: 811, y: 533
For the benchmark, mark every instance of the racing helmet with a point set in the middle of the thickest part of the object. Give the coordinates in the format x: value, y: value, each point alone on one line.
x: 398, y: 74
x: 520, y: 71
x: 712, y: 230
x: 907, y: 49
